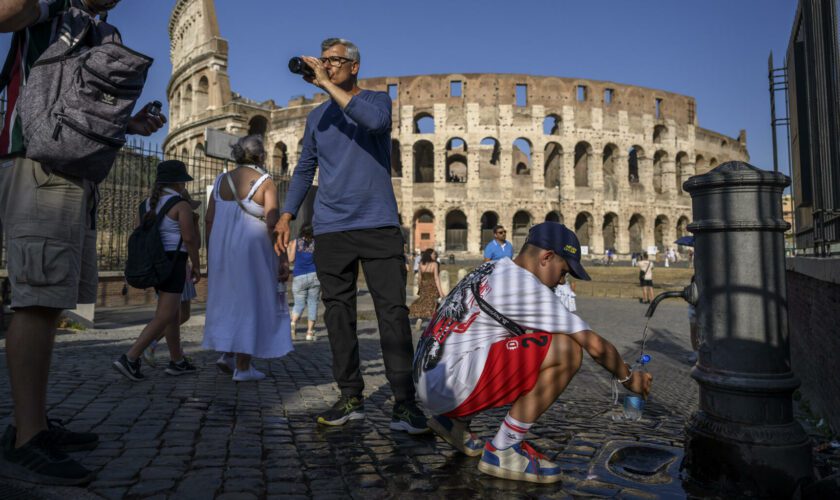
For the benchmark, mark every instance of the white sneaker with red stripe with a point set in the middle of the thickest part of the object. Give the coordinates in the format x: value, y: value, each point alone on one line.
x: 520, y: 462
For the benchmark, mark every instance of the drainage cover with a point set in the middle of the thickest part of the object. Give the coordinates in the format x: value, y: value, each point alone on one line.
x: 650, y: 467
x: 650, y: 463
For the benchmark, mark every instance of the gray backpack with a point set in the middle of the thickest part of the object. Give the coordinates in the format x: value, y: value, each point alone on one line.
x: 79, y: 97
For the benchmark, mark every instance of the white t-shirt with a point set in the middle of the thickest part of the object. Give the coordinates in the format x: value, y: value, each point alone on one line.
x: 453, y: 349
x: 647, y: 267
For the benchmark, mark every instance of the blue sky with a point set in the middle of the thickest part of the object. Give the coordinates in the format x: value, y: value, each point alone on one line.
x: 713, y: 50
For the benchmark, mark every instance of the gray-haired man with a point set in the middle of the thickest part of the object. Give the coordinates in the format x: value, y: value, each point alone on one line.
x: 355, y: 221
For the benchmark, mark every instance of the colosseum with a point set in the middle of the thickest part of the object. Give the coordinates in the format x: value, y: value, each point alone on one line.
x: 470, y: 151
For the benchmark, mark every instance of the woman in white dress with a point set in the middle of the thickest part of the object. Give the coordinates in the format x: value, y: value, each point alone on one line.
x: 244, y: 314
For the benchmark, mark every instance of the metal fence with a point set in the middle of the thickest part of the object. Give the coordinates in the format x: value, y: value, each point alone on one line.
x: 130, y: 182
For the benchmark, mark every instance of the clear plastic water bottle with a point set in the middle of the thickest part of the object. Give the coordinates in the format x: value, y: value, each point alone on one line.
x: 634, y: 405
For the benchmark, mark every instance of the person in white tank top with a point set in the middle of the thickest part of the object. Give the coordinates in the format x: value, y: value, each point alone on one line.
x: 180, y: 241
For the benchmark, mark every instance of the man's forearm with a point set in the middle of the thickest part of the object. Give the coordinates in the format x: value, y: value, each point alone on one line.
x: 18, y: 14
x: 338, y: 94
x: 603, y: 352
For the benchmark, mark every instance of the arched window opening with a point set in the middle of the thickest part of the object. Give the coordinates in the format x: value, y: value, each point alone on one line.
x: 700, y: 165
x: 198, y: 152
x: 186, y: 103
x: 424, y: 162
x: 552, y: 125
x: 201, y: 93
x: 489, y: 220
x: 554, y: 216
x: 553, y: 168
x: 424, y: 123
x: 456, y: 160
x: 424, y: 230
x: 522, y: 156
x: 456, y: 231
x: 636, y: 232
x: 185, y: 154
x: 660, y: 133
x: 609, y: 231
x: 713, y: 163
x: 633, y: 157
x: 609, y: 158
x: 396, y: 159
x: 258, y: 125
x: 583, y: 228
x: 520, y: 227
x: 583, y: 151
x: 280, y: 159
x: 489, y: 153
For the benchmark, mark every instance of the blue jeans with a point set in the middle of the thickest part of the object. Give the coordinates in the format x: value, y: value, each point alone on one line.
x: 307, y: 291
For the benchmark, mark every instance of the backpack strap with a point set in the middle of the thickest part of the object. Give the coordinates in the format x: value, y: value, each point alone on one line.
x: 171, y: 202
x: 507, y: 323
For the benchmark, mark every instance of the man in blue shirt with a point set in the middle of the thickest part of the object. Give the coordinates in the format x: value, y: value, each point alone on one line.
x: 499, y: 247
x: 348, y: 138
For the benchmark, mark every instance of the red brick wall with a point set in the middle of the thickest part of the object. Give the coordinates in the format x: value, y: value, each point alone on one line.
x: 814, y: 318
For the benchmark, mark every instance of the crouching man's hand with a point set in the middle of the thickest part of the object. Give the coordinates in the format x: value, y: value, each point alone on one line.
x: 639, y: 383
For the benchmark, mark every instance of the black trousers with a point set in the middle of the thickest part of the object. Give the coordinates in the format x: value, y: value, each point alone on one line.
x: 380, y: 251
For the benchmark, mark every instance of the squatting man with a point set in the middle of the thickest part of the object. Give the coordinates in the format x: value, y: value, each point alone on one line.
x: 503, y: 337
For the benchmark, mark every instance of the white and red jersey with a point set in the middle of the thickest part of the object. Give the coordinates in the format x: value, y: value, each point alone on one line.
x: 452, y: 352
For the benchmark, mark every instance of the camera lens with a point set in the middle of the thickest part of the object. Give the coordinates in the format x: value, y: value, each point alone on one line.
x: 297, y: 66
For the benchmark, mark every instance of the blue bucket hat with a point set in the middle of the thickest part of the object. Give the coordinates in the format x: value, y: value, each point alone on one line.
x: 560, y: 240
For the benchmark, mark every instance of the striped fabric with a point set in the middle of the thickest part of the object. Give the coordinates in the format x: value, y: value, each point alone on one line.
x: 27, y: 46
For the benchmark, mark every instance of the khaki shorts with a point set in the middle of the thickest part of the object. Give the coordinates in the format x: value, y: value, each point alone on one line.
x: 50, y: 237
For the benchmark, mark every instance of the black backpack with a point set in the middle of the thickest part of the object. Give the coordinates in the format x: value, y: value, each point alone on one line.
x: 147, y: 264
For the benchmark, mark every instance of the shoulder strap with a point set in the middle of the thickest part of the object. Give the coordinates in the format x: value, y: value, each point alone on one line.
x: 256, y: 187
x: 235, y: 197
x: 171, y: 202
x: 507, y: 323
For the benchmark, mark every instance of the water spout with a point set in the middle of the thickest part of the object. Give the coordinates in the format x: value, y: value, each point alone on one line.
x: 689, y: 294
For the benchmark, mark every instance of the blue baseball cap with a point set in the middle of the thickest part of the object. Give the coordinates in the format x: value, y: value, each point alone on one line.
x: 560, y: 240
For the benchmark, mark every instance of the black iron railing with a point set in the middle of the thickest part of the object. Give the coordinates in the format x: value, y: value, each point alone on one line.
x: 130, y: 181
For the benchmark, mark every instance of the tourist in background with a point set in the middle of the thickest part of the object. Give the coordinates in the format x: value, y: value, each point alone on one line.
x: 187, y: 295
x: 180, y: 241
x: 429, y: 291
x: 306, y: 288
x: 645, y: 266
x: 499, y: 247
x: 242, y: 319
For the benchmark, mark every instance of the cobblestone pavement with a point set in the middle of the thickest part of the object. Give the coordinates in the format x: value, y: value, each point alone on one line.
x: 203, y: 436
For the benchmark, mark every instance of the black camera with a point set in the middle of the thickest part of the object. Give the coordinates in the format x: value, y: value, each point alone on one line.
x: 297, y: 66
x: 154, y: 108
